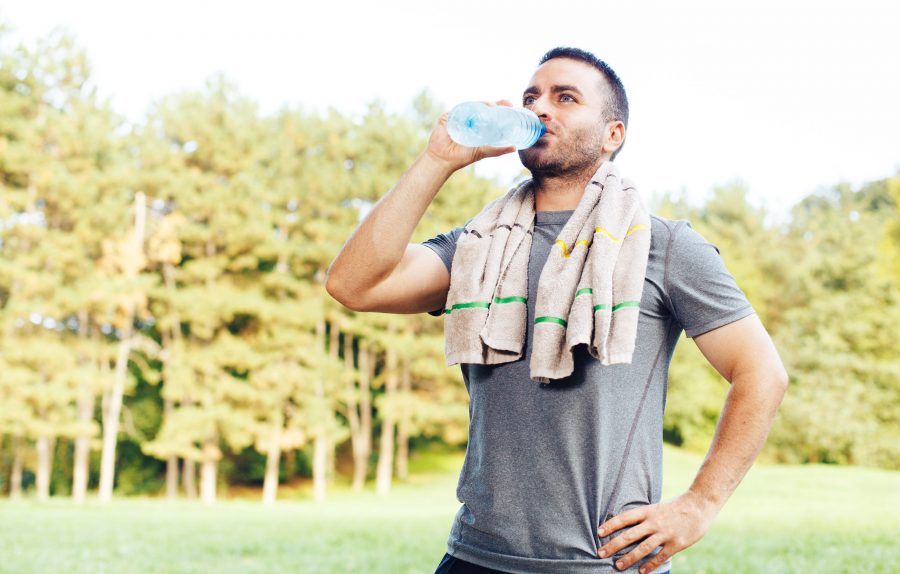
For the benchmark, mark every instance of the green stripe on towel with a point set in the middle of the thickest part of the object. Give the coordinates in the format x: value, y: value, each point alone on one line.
x: 513, y: 299
x: 557, y: 320
x: 550, y: 320
x: 485, y: 304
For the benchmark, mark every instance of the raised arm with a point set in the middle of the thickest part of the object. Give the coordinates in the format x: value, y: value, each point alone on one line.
x: 378, y: 269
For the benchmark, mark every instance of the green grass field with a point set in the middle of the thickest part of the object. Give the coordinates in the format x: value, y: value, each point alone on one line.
x: 781, y: 519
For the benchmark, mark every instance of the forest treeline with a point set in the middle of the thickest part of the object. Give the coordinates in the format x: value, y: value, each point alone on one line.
x: 164, y: 326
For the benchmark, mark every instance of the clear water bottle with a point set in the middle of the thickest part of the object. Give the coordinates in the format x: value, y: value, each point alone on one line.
x: 475, y: 124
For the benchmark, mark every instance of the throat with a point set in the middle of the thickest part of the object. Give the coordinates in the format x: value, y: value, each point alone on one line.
x: 558, y: 198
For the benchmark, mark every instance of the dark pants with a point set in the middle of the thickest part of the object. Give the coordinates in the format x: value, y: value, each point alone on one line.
x: 453, y: 565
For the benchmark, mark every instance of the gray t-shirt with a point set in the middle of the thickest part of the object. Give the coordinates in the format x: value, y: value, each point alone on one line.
x: 542, y: 461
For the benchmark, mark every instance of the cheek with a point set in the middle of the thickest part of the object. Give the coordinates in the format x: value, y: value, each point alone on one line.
x: 590, y: 136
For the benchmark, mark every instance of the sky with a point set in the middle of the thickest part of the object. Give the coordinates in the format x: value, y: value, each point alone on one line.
x: 783, y: 97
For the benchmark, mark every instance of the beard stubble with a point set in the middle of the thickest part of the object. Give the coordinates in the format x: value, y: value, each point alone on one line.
x: 566, y: 158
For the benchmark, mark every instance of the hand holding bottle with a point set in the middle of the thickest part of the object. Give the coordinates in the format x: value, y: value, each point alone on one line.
x: 475, y: 124
x: 455, y: 156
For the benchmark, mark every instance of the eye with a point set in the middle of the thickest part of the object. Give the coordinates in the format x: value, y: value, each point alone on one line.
x: 567, y: 96
x: 527, y: 100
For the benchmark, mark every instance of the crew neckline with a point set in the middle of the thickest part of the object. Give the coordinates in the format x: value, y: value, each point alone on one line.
x: 552, y: 217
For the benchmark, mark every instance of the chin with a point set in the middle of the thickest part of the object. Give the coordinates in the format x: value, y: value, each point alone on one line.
x: 546, y: 169
x: 531, y: 157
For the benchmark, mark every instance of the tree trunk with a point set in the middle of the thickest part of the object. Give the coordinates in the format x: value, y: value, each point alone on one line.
x: 44, y: 447
x: 15, y: 477
x: 403, y: 423
x: 172, y: 477
x: 352, y: 410
x: 85, y: 406
x: 273, y: 458
x: 364, y: 437
x: 335, y: 352
x: 172, y: 461
x: 82, y: 459
x: 320, y: 459
x: 385, y: 469
x: 208, y: 470
x: 321, y: 442
x: 168, y: 336
x: 111, y: 418
x: 189, y: 478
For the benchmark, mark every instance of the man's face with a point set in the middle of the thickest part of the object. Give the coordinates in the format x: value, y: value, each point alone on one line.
x: 569, y: 98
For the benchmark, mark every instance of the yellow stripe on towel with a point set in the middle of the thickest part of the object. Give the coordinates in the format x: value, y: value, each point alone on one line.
x: 637, y: 227
x: 565, y: 249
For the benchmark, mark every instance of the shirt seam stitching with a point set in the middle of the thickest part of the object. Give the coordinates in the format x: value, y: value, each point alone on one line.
x: 666, y: 290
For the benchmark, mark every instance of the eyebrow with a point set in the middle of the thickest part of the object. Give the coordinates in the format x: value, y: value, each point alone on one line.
x: 554, y: 89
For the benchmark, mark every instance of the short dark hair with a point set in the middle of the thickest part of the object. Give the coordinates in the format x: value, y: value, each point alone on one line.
x: 616, y: 102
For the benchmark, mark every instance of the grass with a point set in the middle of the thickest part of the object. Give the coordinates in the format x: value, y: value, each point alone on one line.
x: 782, y: 519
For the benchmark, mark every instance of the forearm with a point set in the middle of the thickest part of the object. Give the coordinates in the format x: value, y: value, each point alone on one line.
x: 741, y: 432
x: 379, y: 242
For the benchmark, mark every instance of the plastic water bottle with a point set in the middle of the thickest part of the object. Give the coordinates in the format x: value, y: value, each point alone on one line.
x: 475, y: 124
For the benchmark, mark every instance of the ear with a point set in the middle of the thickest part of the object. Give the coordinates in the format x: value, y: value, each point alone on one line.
x: 614, y: 136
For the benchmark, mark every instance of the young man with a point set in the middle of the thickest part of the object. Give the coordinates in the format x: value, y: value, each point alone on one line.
x: 567, y: 476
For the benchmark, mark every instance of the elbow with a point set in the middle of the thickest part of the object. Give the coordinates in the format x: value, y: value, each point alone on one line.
x: 334, y: 285
x: 339, y: 291
x: 780, y: 380
x: 335, y: 288
x: 779, y: 373
x: 771, y: 379
x: 783, y: 379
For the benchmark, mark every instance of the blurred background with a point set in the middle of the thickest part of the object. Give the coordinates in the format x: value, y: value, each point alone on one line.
x: 178, y: 393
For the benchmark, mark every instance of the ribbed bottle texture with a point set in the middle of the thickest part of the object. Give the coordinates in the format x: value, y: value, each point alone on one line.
x: 474, y: 124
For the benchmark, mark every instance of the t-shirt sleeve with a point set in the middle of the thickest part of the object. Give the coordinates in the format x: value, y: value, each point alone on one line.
x: 702, y: 293
x: 444, y: 244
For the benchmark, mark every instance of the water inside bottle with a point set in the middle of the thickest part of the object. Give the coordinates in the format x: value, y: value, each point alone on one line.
x: 474, y: 124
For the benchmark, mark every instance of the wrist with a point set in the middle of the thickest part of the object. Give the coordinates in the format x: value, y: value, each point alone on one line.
x: 708, y: 501
x: 437, y: 165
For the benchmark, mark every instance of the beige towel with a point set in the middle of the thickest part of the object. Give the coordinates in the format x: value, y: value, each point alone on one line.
x: 589, y: 290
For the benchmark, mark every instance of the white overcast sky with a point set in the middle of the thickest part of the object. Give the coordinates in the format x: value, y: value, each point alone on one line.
x: 785, y: 96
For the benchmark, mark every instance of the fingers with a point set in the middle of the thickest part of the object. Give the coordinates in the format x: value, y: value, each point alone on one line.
x: 664, y: 554
x: 619, y: 521
x: 506, y: 103
x: 639, y: 551
x: 625, y: 539
x: 488, y: 151
x: 674, y: 525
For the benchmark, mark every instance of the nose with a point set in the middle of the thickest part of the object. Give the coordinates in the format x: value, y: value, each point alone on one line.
x: 539, y: 106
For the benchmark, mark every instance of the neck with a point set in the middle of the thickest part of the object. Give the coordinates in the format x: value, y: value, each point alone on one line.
x: 560, y: 192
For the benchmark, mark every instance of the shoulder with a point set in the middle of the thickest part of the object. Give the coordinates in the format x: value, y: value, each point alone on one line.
x: 680, y: 251
x: 663, y: 232
x: 670, y: 234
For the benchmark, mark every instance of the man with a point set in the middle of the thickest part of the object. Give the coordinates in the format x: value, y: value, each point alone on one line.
x: 567, y: 477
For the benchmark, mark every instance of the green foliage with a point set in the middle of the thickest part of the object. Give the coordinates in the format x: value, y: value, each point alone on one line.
x: 844, y: 406
x: 821, y: 288
x: 245, y: 212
